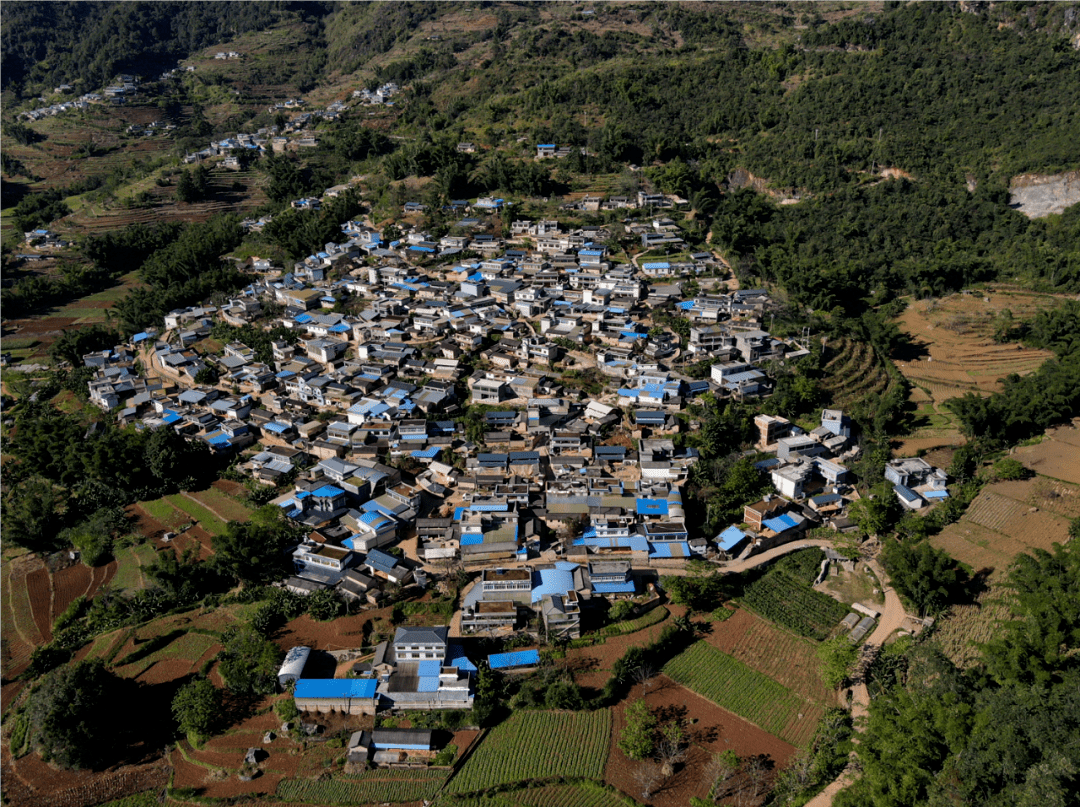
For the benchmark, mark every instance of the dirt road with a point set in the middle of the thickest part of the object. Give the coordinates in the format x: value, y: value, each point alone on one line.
x: 891, y: 619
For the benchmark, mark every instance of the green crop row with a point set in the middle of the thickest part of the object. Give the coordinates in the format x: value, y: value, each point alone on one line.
x: 538, y: 745
x: 736, y: 687
x: 576, y: 794
x: 377, y: 787
x: 646, y: 620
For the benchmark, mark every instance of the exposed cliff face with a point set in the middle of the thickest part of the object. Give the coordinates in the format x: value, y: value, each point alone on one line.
x: 1039, y: 195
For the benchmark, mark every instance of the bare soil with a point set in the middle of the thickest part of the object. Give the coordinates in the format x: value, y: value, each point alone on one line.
x: 712, y: 731
x: 1008, y: 518
x: 1041, y: 195
x: 1057, y: 456
x: 37, y: 584
x: 954, y: 353
x: 30, y: 782
x: 68, y: 585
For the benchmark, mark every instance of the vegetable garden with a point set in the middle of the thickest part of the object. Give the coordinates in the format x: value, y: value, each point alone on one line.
x: 538, y: 745
x: 374, y: 787
x: 648, y: 619
x: 783, y: 595
x: 578, y: 794
x: 732, y: 685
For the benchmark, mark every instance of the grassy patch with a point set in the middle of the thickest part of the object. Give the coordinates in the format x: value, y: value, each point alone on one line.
x: 130, y: 563
x: 207, y: 520
x: 224, y: 505
x: 161, y: 510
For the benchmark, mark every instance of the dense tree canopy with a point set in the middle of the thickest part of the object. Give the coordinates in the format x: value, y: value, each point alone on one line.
x: 70, y: 715
x: 1002, y: 733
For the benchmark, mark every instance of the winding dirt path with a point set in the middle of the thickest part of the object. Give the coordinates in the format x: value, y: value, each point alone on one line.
x: 891, y: 619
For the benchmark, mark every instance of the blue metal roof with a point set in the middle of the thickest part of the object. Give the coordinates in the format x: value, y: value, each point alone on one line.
x: 335, y: 688
x: 670, y: 549
x: 936, y: 494
x: 652, y: 507
x: 518, y: 658
x: 686, y: 305
x: 329, y: 491
x: 610, y: 451
x: 381, y: 561
x: 780, y: 523
x: 472, y: 539
x: 427, y: 683
x: 455, y: 657
x: 426, y: 454
x: 551, y: 581
x: 656, y: 265
x: 906, y: 493
x: 729, y: 538
x: 649, y: 416
x: 428, y: 667
x: 276, y: 428
x: 614, y: 588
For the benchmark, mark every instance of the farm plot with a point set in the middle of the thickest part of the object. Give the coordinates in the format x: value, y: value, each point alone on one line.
x: 736, y: 687
x: 20, y: 634
x: 374, y: 787
x: 1056, y: 455
x: 648, y: 619
x: 181, y: 655
x: 785, y: 658
x: 782, y: 596
x: 165, y: 512
x: 198, y: 512
x: 132, y: 561
x: 21, y: 602
x: 853, y: 373
x: 69, y: 584
x: 579, y: 794
x: 538, y: 745
x: 978, y: 547
x: 1058, y: 497
x: 1001, y: 523
x: 221, y: 504
x: 959, y: 632
x: 40, y: 594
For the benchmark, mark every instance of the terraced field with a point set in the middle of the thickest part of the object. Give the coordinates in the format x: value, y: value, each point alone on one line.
x: 1007, y: 518
x: 853, y: 372
x: 957, y: 354
x: 132, y: 561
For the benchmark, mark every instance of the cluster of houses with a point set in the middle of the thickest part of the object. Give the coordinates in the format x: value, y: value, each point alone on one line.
x: 123, y: 87
x: 418, y: 396
x: 381, y: 95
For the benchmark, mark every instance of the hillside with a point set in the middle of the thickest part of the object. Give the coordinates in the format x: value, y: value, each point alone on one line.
x: 512, y: 288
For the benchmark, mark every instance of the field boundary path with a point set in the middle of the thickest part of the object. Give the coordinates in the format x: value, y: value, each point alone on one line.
x: 891, y: 619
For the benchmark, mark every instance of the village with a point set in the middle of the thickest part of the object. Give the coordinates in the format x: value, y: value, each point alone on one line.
x: 425, y: 417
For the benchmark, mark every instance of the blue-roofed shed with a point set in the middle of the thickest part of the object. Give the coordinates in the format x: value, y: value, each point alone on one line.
x: 518, y: 658
x: 730, y: 538
x: 780, y: 523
